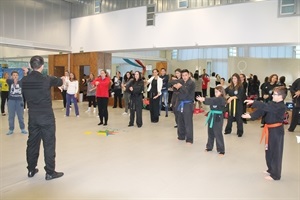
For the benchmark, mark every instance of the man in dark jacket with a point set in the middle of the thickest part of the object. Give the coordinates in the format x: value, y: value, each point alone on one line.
x: 41, y: 123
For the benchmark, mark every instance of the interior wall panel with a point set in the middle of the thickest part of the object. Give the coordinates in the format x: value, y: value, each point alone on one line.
x: 41, y: 21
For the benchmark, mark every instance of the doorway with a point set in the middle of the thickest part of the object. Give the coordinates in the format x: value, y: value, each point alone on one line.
x: 59, y: 71
x: 84, y: 72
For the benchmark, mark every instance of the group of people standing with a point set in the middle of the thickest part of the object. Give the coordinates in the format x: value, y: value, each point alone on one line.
x: 185, y: 92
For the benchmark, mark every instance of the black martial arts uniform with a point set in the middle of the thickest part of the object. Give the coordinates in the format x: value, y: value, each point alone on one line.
x: 185, y: 108
x: 235, y: 109
x: 295, y: 112
x: 274, y: 115
x: 215, y: 123
x: 267, y: 90
x: 174, y: 99
x: 154, y: 103
x: 136, y: 101
x: 41, y: 123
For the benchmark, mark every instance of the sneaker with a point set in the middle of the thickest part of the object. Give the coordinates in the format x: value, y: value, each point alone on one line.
x: 32, y: 173
x: 9, y: 132
x: 124, y: 113
x: 3, y: 114
x: 94, y: 110
x: 24, y: 131
x: 77, y: 115
x: 88, y: 110
x: 53, y: 175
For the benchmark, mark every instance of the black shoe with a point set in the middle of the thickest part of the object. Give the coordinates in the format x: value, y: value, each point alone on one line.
x: 180, y: 138
x: 262, y: 126
x: 290, y: 130
x: 240, y: 135
x: 120, y: 107
x: 207, y: 150
x: 166, y: 115
x: 130, y: 125
x: 221, y: 153
x: 100, y: 123
x: 139, y: 126
x: 175, y: 126
x: 54, y: 175
x: 33, y: 172
x: 105, y: 124
x: 226, y: 133
x: 114, y: 106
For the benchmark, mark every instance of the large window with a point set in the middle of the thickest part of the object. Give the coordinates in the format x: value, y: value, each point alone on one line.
x: 288, y: 7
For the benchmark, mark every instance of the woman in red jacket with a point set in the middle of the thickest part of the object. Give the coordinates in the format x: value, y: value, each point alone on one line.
x: 102, y: 83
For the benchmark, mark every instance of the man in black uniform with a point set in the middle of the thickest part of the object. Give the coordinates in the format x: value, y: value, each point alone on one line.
x: 295, y: 91
x: 41, y: 123
x: 185, y: 106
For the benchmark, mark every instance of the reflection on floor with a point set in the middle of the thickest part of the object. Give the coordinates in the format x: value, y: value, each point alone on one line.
x: 121, y: 162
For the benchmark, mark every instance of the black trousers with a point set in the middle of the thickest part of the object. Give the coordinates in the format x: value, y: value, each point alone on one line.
x: 239, y: 121
x: 118, y: 96
x: 4, y: 98
x: 154, y: 107
x: 204, y: 91
x: 92, y: 101
x: 216, y: 133
x: 102, y: 109
x: 212, y: 92
x: 41, y: 126
x: 185, y: 130
x: 136, y: 106
x: 64, y: 95
x: 295, y: 118
x: 275, y: 152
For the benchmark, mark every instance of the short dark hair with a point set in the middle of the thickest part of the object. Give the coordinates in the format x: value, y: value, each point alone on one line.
x: 185, y: 71
x: 178, y: 70
x: 14, y: 72
x: 281, y: 90
x: 36, y: 62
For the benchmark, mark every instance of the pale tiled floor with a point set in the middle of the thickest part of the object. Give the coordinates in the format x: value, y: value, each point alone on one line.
x: 145, y: 163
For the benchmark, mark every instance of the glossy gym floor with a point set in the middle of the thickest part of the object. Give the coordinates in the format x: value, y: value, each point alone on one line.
x: 145, y: 163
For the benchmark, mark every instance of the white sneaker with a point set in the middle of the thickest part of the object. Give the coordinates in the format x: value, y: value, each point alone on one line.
x: 124, y: 113
x: 88, y: 110
x: 94, y: 110
x: 77, y: 115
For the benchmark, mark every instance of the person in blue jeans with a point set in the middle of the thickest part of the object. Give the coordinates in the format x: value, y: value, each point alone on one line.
x: 15, y: 103
x: 164, y: 91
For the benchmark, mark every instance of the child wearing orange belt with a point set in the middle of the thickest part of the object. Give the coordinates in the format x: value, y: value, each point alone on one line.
x: 273, y: 131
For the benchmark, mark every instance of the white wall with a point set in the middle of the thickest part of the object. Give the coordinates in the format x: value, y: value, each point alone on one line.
x: 245, y: 23
x: 290, y: 68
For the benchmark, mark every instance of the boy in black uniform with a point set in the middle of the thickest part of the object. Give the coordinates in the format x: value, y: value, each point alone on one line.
x: 295, y: 91
x: 273, y: 130
x: 185, y: 106
x: 41, y: 122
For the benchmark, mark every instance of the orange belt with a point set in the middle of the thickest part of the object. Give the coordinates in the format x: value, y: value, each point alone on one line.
x: 265, y: 132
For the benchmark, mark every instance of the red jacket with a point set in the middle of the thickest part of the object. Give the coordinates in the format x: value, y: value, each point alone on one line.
x: 205, y: 82
x: 103, y: 86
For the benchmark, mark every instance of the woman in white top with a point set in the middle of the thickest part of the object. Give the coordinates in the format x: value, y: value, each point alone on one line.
x: 72, y: 90
x: 154, y: 90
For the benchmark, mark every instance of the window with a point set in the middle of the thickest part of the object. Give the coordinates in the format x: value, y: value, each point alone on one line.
x: 174, y: 54
x: 287, y: 7
x: 233, y: 51
x: 150, y: 15
x: 183, y: 4
x: 297, y: 52
x: 97, y: 6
